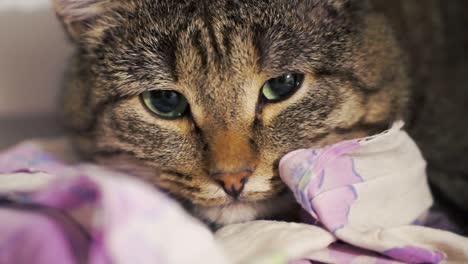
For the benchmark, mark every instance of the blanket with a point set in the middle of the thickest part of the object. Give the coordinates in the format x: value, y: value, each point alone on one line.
x: 367, y: 199
x: 55, y: 213
x: 363, y: 201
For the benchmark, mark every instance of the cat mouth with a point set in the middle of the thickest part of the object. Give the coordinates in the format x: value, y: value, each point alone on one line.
x: 259, y: 198
x: 241, y: 211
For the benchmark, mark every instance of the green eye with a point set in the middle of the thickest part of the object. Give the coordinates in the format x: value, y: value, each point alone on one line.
x: 165, y: 103
x: 282, y: 87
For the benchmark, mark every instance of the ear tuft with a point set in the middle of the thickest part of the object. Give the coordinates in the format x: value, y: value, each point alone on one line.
x: 78, y: 15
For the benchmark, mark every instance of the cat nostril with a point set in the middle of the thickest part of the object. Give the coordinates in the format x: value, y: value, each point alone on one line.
x: 244, y: 180
x: 220, y: 182
x: 234, y: 190
x: 233, y: 183
x: 234, y: 193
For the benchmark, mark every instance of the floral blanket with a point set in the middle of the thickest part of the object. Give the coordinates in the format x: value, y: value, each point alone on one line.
x: 364, y: 201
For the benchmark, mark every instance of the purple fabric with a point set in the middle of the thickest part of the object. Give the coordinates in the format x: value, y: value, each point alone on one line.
x: 411, y: 254
x: 30, y: 236
x: 88, y: 214
x: 81, y: 218
x: 324, y: 183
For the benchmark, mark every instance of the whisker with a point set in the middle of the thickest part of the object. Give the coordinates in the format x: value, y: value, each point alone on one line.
x: 217, y: 190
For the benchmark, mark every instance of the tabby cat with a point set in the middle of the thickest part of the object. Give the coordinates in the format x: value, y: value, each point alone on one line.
x: 202, y: 98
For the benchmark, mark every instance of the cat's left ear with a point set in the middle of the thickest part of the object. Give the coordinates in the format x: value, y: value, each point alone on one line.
x: 324, y: 11
x: 80, y: 16
x: 344, y: 4
x: 337, y: 5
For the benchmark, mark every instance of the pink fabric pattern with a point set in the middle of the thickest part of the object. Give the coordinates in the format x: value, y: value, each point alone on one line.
x: 320, y: 172
x: 30, y: 157
x: 328, y: 183
x: 89, y: 214
x: 361, y: 199
x: 413, y: 254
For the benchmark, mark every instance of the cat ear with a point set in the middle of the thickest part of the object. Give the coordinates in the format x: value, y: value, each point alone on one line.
x: 342, y: 4
x: 79, y: 16
x: 346, y: 4
x: 323, y: 10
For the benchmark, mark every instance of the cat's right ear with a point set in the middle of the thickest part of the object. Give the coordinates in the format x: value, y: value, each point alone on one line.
x: 80, y: 16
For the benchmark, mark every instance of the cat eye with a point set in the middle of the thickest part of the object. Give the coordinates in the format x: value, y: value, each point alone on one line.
x: 165, y: 103
x: 282, y: 87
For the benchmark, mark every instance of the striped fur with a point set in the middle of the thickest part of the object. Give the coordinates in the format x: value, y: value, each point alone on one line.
x: 218, y: 54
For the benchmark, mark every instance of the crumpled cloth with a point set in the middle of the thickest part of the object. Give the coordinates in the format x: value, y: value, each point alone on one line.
x: 365, y: 201
x: 54, y: 213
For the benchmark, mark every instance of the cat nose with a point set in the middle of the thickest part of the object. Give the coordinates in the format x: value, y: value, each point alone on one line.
x: 233, y: 183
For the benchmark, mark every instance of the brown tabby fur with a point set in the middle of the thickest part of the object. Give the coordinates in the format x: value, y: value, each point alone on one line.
x: 218, y: 54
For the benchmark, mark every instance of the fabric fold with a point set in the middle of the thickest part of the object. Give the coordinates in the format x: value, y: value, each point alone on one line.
x: 127, y: 220
x: 364, y: 201
x: 367, y: 191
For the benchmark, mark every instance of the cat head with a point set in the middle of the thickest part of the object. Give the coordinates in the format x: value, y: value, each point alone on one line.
x: 203, y: 98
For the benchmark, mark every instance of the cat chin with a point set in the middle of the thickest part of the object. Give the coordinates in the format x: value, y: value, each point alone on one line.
x: 240, y: 212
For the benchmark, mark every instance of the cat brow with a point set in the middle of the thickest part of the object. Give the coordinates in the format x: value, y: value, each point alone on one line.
x: 138, y: 87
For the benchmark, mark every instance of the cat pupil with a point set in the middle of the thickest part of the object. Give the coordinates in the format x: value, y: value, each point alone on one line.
x: 281, y: 87
x: 165, y: 101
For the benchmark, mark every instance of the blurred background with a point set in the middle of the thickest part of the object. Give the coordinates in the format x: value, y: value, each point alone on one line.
x: 33, y: 52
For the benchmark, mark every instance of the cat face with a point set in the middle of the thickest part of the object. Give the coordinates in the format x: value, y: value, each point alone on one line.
x: 203, y: 98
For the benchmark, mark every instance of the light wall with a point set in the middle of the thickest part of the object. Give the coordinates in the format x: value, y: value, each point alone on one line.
x: 33, y: 52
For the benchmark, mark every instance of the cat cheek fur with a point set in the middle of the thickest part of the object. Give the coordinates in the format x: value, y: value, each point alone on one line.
x: 218, y: 54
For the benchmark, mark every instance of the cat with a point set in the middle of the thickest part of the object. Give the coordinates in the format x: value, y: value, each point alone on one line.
x: 202, y: 98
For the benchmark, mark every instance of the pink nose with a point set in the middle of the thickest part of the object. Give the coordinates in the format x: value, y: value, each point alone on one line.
x: 233, y: 183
